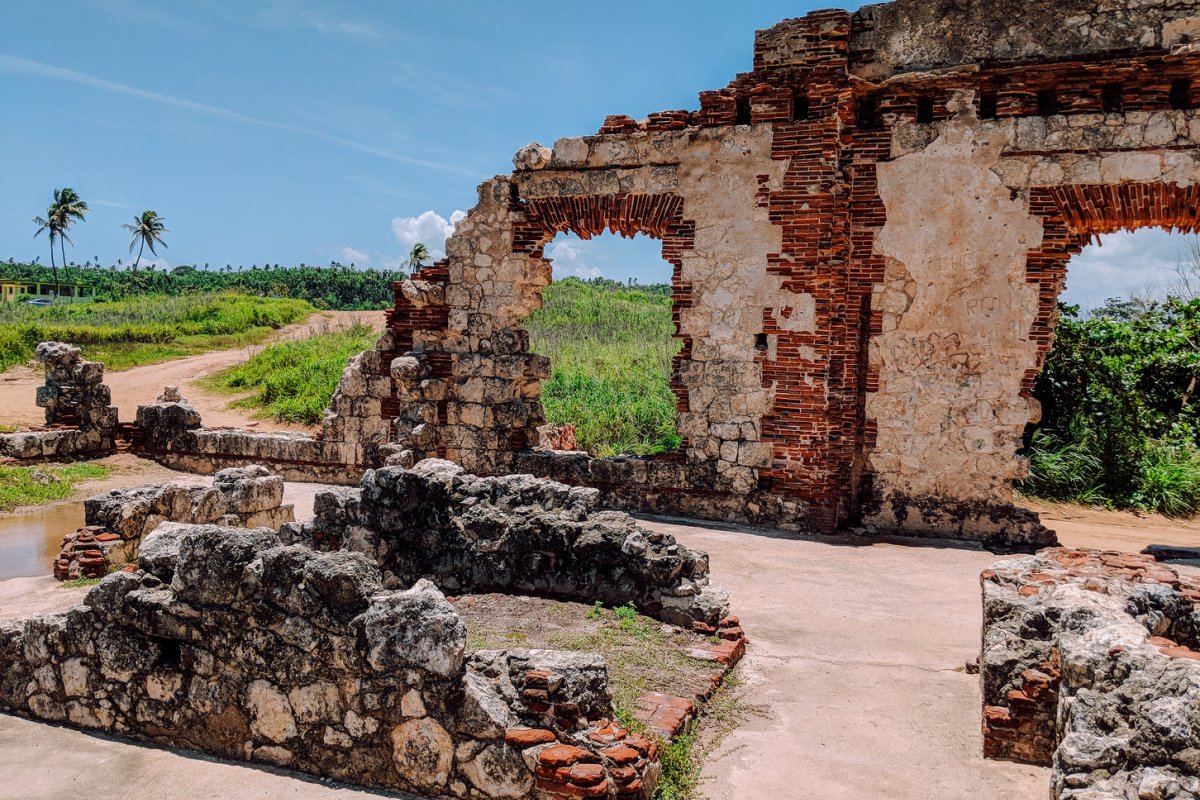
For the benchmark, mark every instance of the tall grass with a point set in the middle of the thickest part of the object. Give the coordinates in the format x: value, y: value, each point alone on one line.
x: 145, y: 329
x: 1171, y: 479
x: 1072, y: 468
x: 293, y: 381
x: 610, y: 348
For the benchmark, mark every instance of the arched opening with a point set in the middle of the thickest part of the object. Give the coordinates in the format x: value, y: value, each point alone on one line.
x: 607, y: 325
x: 1120, y: 422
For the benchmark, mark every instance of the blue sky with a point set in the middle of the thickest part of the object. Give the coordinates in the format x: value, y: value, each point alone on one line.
x: 286, y: 131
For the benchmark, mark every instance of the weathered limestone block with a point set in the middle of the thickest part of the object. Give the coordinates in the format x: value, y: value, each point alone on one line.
x: 117, y: 522
x: 515, y: 534
x: 1091, y: 663
x: 76, y: 400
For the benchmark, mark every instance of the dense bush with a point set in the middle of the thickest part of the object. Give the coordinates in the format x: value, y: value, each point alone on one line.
x: 332, y: 287
x: 1120, y: 424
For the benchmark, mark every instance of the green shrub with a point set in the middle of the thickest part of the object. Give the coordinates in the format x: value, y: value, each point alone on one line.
x: 1063, y: 469
x: 1120, y: 424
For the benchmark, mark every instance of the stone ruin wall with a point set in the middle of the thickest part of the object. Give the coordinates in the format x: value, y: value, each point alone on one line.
x: 1091, y: 665
x: 80, y: 418
x: 226, y: 642
x: 324, y: 648
x: 512, y: 534
x: 868, y: 235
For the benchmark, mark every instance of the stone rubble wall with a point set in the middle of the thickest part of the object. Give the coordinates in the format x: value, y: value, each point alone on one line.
x: 1091, y: 664
x: 80, y: 418
x: 116, y: 522
x: 227, y: 642
x: 171, y: 432
x: 868, y: 234
x: 513, y: 534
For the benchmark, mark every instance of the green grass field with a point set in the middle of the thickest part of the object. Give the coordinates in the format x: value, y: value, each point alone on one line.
x: 293, y: 381
x: 610, y: 348
x: 35, y: 486
x: 147, y: 329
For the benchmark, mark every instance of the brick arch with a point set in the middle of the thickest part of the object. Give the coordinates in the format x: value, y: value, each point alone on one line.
x: 658, y: 216
x: 1073, y: 215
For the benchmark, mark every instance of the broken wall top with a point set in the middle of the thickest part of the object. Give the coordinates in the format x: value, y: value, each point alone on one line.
x: 910, y: 35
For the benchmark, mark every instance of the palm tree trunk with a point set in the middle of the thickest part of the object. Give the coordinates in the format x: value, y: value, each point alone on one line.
x: 54, y: 267
x: 66, y: 272
x: 139, y: 256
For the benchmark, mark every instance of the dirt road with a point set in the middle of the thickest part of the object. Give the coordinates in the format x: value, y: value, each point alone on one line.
x: 143, y: 384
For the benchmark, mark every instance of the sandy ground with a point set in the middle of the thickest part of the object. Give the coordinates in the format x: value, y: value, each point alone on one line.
x: 142, y: 384
x: 857, y: 653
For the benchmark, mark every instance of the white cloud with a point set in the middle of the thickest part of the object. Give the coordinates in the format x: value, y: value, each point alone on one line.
x: 569, y: 258
x: 356, y: 257
x: 1142, y: 261
x: 430, y: 228
x: 323, y: 24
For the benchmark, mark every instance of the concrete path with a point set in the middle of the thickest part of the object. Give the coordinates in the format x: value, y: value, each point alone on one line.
x: 45, y: 762
x: 856, y: 653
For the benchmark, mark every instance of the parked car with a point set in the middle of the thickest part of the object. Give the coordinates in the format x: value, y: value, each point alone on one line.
x: 39, y: 301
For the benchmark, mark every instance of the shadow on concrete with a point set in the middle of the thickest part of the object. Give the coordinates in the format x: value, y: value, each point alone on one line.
x: 840, y: 539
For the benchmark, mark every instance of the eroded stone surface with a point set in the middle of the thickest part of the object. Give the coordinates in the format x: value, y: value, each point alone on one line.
x: 228, y: 642
x: 510, y: 534
x: 1089, y: 664
x: 116, y: 522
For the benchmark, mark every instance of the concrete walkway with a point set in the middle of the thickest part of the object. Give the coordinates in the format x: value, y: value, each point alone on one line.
x: 857, y: 654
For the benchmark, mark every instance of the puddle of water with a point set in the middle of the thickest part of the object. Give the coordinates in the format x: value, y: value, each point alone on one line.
x: 29, y: 542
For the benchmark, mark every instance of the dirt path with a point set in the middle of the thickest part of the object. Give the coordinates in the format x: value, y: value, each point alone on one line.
x: 142, y: 384
x: 1081, y: 526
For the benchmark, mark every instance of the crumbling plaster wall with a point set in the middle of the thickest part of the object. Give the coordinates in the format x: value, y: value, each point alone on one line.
x: 959, y: 309
x: 957, y: 312
x: 910, y: 35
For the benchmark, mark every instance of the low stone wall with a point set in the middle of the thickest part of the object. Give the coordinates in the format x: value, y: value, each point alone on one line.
x: 515, y: 534
x: 116, y: 522
x: 226, y: 642
x: 171, y: 432
x: 1091, y: 664
x: 80, y: 418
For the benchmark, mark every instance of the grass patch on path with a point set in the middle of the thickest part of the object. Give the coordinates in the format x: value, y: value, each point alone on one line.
x: 294, y: 381
x: 147, y: 329
x: 35, y: 486
x: 610, y: 348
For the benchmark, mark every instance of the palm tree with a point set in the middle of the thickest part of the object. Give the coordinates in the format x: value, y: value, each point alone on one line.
x: 147, y: 229
x: 418, y: 254
x: 69, y: 209
x: 49, y: 224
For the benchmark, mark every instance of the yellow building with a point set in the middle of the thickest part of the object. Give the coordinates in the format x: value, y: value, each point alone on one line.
x: 24, y: 291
